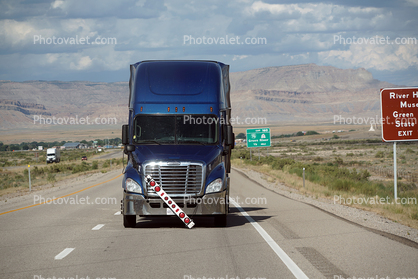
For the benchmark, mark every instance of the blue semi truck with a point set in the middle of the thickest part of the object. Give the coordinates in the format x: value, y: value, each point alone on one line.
x: 179, y: 133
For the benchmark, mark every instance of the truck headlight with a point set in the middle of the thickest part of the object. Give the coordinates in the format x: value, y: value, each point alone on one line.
x: 133, y: 186
x: 214, y: 186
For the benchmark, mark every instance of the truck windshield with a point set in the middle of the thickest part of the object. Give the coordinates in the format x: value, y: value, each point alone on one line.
x: 175, y: 129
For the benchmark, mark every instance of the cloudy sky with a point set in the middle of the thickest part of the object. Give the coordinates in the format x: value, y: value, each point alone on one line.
x: 96, y: 40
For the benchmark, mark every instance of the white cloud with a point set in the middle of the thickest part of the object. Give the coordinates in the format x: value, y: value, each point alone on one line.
x: 51, y: 58
x: 391, y: 57
x: 15, y: 32
x: 239, y: 57
x: 260, y: 6
x: 57, y: 4
x: 82, y: 64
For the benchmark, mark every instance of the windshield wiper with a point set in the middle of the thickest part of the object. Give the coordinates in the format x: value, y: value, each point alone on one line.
x: 191, y: 141
x: 149, y: 141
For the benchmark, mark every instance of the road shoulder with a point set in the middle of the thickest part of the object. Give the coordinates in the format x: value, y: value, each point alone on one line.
x: 369, y: 220
x: 59, y: 189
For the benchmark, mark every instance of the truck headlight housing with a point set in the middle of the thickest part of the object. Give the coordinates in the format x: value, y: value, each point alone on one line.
x: 214, y: 186
x: 132, y: 186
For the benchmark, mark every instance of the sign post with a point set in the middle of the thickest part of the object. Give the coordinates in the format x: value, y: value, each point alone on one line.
x: 30, y: 184
x: 399, y: 107
x: 395, y: 173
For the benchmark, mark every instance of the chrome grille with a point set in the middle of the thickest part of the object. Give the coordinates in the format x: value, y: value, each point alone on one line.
x: 181, y: 180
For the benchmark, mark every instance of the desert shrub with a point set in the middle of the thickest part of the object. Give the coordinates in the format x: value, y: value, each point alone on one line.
x: 51, y: 178
x: 81, y: 167
x: 339, y: 161
x: 279, y: 163
x: 308, y: 133
x: 379, y: 154
x: 94, y: 165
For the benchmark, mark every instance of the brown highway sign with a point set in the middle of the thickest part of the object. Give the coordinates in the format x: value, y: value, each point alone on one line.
x: 399, y: 107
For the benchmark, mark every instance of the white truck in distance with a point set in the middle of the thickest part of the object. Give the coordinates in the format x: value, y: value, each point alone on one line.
x: 53, y: 155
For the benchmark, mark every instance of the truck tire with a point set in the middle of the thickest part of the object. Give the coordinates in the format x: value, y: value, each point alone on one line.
x: 129, y: 221
x: 221, y: 220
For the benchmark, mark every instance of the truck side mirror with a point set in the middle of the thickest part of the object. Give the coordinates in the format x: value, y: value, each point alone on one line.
x: 125, y: 134
x: 125, y: 140
x: 230, y: 137
x: 129, y: 148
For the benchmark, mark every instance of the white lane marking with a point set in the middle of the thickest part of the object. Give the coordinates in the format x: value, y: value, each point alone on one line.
x: 118, y: 213
x: 297, y: 272
x: 64, y: 253
x: 98, y: 227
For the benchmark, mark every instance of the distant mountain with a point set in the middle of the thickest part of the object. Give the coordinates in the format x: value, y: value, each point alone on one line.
x: 305, y: 93
x: 61, y: 99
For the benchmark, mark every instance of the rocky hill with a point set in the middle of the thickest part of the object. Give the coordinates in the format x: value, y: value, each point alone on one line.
x: 61, y: 99
x: 303, y: 93
x: 25, y: 108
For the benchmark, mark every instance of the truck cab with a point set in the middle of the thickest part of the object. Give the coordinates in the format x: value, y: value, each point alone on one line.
x: 53, y: 155
x: 179, y: 133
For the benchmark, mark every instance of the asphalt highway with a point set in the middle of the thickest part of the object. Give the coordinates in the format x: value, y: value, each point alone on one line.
x: 81, y: 235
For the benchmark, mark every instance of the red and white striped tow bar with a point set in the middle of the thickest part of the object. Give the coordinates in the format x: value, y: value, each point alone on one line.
x: 169, y: 202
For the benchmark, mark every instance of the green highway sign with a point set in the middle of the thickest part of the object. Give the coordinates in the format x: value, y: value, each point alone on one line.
x: 258, y: 137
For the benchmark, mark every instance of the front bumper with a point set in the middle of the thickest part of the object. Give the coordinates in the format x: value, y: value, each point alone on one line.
x: 210, y: 204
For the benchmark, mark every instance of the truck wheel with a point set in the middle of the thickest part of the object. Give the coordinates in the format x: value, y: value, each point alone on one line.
x: 221, y: 220
x: 129, y: 221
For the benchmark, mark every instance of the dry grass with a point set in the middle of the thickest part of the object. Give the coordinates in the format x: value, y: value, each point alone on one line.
x: 41, y: 181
